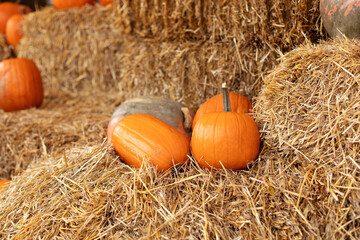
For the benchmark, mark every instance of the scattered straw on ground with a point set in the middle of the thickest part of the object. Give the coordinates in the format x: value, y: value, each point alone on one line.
x: 87, y: 193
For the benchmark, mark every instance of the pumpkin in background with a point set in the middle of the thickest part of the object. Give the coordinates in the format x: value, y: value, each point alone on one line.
x: 225, y: 139
x: 64, y: 4
x: 173, y: 113
x: 13, y: 30
x: 4, y: 182
x: 7, y: 9
x: 105, y: 2
x: 239, y: 104
x: 20, y: 84
x: 341, y: 17
x: 140, y: 136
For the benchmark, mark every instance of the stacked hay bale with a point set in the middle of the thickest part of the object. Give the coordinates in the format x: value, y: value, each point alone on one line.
x: 62, y: 122
x: 178, y: 49
x: 309, y: 111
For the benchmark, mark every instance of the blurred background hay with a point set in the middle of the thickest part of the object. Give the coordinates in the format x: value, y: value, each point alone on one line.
x: 106, y: 47
x: 62, y: 122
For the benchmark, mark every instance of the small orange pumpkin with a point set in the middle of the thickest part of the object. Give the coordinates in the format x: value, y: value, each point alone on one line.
x: 7, y: 9
x: 4, y: 182
x: 105, y: 2
x: 64, y: 4
x: 20, y: 84
x: 13, y: 30
x: 140, y: 136
x: 239, y: 104
x: 225, y: 139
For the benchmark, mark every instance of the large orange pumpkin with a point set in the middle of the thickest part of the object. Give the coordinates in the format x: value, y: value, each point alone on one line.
x: 167, y: 110
x: 64, y: 4
x: 105, y: 2
x: 13, y: 30
x: 225, y: 139
x: 239, y: 104
x: 7, y: 9
x: 140, y: 136
x: 20, y: 84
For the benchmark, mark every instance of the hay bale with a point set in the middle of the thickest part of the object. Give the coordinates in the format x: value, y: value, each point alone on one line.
x: 88, y: 193
x: 62, y: 122
x: 309, y: 109
x: 279, y: 23
x: 95, y: 51
x: 72, y: 49
x: 310, y: 102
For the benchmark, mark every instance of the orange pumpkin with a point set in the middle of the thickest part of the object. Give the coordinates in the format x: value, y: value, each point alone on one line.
x: 20, y: 84
x: 167, y: 110
x: 4, y: 182
x: 239, y: 104
x: 140, y: 136
x: 105, y: 2
x: 64, y: 4
x: 7, y: 9
x: 13, y: 30
x: 225, y: 139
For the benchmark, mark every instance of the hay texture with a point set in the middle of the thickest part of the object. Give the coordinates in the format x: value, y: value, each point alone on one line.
x: 5, y: 51
x: 280, y: 23
x: 62, y: 122
x: 309, y: 108
x: 89, y: 194
x: 89, y: 46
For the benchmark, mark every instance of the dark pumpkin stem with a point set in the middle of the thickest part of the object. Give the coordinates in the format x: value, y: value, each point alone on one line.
x: 226, y: 99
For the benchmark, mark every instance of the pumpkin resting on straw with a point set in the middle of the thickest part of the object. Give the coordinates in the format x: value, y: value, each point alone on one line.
x: 21, y: 85
x: 140, y: 136
x: 225, y: 139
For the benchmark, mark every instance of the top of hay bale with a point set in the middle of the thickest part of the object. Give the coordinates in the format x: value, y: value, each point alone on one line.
x: 279, y: 23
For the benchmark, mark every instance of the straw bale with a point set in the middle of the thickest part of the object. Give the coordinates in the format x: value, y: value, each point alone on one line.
x: 94, y: 53
x: 279, y: 23
x: 72, y: 48
x: 62, y: 122
x: 310, y: 102
x: 87, y: 193
x: 310, y: 107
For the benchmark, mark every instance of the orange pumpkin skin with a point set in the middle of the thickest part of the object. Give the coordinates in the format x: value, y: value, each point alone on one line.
x: 225, y: 139
x: 142, y: 135
x: 105, y: 2
x: 13, y: 30
x: 4, y: 182
x: 20, y: 84
x: 7, y: 9
x: 64, y: 4
x: 239, y: 104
